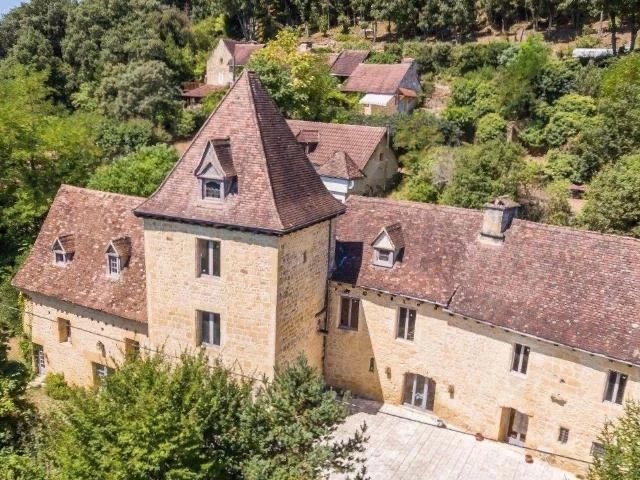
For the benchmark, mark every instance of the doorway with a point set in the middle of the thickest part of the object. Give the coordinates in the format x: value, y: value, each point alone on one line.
x: 419, y: 391
x: 517, y: 426
x: 38, y: 356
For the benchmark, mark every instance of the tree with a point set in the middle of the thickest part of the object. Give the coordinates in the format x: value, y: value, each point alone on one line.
x: 161, y: 419
x: 485, y: 172
x: 138, y: 173
x: 613, y: 199
x: 621, y: 457
x: 299, y: 82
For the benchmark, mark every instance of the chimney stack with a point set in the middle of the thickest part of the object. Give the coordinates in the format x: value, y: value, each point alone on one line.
x: 498, y: 216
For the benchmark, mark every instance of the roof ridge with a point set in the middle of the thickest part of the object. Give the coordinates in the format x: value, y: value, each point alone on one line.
x: 340, y: 125
x: 582, y: 231
x: 411, y: 203
x: 94, y: 191
x: 258, y: 124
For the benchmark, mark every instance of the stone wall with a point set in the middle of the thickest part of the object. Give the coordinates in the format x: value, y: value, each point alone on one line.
x: 471, y: 365
x: 220, y: 66
x: 302, y: 280
x: 245, y: 294
x: 74, y: 358
x: 379, y: 174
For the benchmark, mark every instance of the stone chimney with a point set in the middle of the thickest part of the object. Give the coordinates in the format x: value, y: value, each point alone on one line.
x: 498, y: 216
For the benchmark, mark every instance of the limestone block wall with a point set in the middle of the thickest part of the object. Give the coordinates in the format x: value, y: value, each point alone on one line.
x: 74, y: 358
x: 302, y: 279
x: 245, y: 294
x: 471, y: 365
x: 379, y: 174
x: 218, y: 66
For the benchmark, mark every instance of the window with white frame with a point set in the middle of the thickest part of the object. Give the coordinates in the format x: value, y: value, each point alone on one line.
x: 60, y: 257
x: 406, y: 323
x: 212, y: 189
x: 209, y: 328
x: 113, y: 264
x: 208, y: 258
x: 520, y: 359
x: 616, y: 384
x: 349, y: 313
x: 383, y: 258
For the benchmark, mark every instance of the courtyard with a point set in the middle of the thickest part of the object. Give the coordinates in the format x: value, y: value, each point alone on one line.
x: 409, y: 445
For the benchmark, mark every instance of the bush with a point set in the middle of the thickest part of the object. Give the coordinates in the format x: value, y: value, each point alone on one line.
x: 491, y: 127
x: 533, y: 137
x: 473, y: 56
x: 189, y: 121
x: 562, y: 166
x: 344, y: 22
x: 462, y: 118
x: 56, y: 387
x: 557, y: 210
x: 121, y: 138
x: 555, y: 79
x: 587, y: 41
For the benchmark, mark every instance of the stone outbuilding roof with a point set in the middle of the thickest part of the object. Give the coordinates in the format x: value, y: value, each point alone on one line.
x: 572, y: 287
x: 344, y: 63
x: 278, y: 190
x: 358, y: 142
x: 97, y: 219
x: 240, y: 51
x: 377, y: 78
x: 201, y: 91
x: 340, y: 165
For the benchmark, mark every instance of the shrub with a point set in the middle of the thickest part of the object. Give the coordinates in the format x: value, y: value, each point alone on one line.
x: 56, y: 387
x: 557, y: 210
x: 587, y: 41
x: 462, y: 117
x: 561, y: 166
x: 490, y: 127
x: 344, y: 23
x: 121, y: 138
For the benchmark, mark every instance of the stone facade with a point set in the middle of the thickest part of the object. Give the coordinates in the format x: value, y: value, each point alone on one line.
x: 220, y: 68
x: 470, y: 363
x: 379, y: 173
x: 76, y: 357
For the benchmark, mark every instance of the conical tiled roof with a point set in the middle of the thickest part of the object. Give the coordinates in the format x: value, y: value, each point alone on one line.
x: 278, y: 189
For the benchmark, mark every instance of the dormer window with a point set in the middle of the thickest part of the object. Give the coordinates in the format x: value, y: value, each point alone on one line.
x: 117, y: 255
x: 63, y: 249
x: 388, y: 246
x: 216, y: 172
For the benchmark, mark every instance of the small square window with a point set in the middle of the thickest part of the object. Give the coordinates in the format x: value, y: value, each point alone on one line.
x: 60, y: 258
x: 597, y: 449
x: 383, y: 258
x: 212, y: 189
x: 563, y: 435
x: 208, y: 258
x: 209, y: 328
x: 64, y: 330
x: 520, y: 359
x: 349, y: 313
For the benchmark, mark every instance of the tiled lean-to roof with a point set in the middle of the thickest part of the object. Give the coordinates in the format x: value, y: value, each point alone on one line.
x: 572, y: 287
x: 278, y: 190
x: 95, y: 219
x: 359, y: 142
x: 344, y: 63
x: 240, y: 51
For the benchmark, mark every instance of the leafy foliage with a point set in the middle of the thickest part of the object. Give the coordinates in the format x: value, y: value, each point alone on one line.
x: 138, y: 173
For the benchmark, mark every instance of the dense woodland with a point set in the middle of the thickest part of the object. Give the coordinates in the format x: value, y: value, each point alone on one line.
x: 90, y: 95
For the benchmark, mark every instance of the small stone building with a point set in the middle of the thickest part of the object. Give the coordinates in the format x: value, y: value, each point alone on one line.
x: 227, y: 60
x: 526, y: 333
x: 350, y: 159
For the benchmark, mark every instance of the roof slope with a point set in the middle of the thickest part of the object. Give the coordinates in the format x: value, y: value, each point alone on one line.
x: 576, y: 288
x: 340, y: 165
x: 95, y: 219
x: 240, y: 51
x: 358, y: 141
x: 278, y: 188
x: 347, y: 61
x: 377, y: 78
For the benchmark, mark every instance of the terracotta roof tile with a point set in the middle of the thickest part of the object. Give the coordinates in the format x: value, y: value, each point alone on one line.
x: 571, y: 287
x: 347, y: 61
x: 67, y: 242
x: 202, y: 91
x: 377, y: 78
x: 241, y: 51
x: 340, y: 165
x: 278, y: 188
x: 359, y: 142
x: 96, y: 219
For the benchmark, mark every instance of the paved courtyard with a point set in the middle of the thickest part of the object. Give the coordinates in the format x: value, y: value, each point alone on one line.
x: 407, y: 445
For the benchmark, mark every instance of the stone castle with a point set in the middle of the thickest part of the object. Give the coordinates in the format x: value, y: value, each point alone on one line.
x: 524, y: 332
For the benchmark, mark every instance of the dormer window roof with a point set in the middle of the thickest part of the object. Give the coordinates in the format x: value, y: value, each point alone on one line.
x: 309, y: 139
x: 388, y: 245
x: 216, y: 171
x: 118, y: 253
x: 63, y: 249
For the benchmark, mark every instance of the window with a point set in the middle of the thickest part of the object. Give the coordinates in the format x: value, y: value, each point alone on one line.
x: 60, y: 258
x: 212, y: 189
x: 615, y: 387
x: 349, y: 312
x: 419, y: 391
x: 383, y: 258
x: 210, y: 328
x: 381, y: 156
x: 597, y: 449
x: 131, y: 348
x: 209, y: 258
x: 563, y: 435
x: 64, y: 330
x: 101, y: 372
x: 520, y: 359
x: 406, y: 323
x: 113, y: 265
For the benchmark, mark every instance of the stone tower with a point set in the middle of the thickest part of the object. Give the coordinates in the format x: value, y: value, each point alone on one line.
x: 238, y: 241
